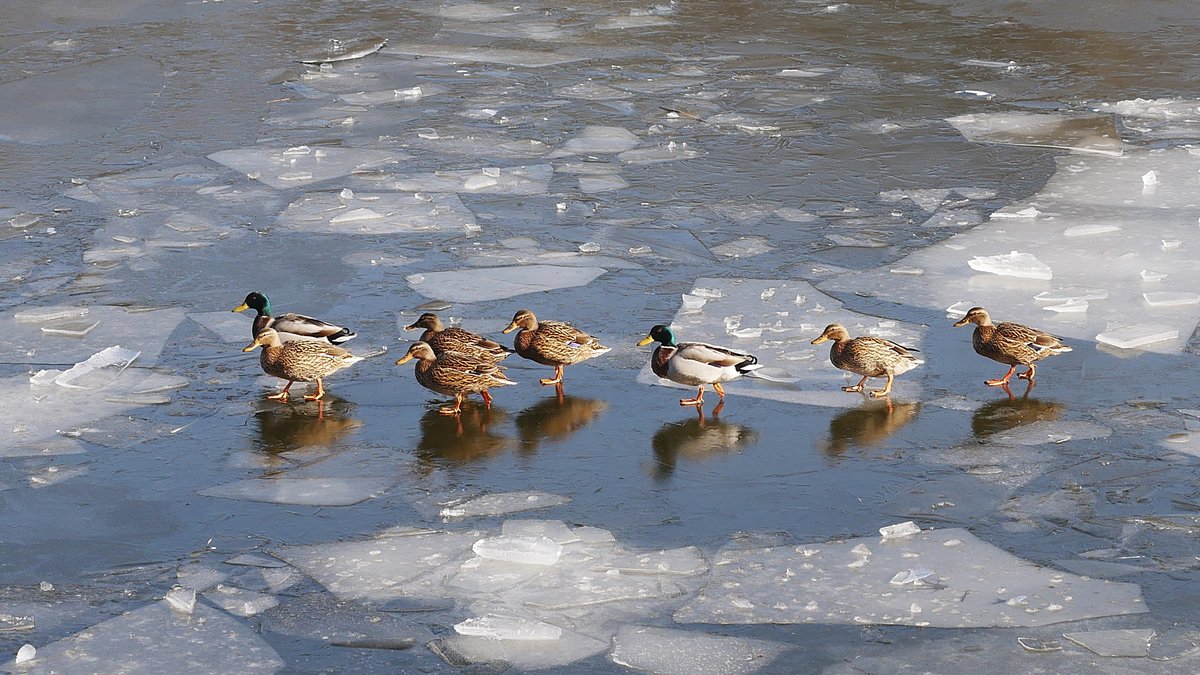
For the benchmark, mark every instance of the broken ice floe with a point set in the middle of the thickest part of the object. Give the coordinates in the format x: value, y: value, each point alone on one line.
x: 44, y: 334
x: 1082, y: 133
x: 1092, y: 192
x: 663, y: 651
x: 512, y: 57
x: 338, y: 50
x: 1015, y: 264
x: 516, y: 180
x: 349, y: 212
x: 776, y: 321
x: 228, y: 326
x: 972, y: 584
x: 1129, y: 643
x: 494, y: 283
x: 239, y: 601
x: 95, y: 372
x: 502, y: 503
x: 319, y: 491
x: 297, y: 166
x: 600, y: 140
x: 501, y: 627
x: 156, y: 638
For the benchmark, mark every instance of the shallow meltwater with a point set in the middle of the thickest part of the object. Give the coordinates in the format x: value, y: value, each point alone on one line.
x: 745, y: 173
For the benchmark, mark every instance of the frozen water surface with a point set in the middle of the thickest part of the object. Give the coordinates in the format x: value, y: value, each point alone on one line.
x: 299, y: 165
x: 674, y: 652
x: 374, y: 213
x: 476, y: 285
x: 500, y: 504
x: 307, y: 491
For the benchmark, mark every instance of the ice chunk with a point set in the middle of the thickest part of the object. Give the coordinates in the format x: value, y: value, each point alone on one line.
x: 675, y: 652
x: 1071, y: 293
x: 27, y: 652
x: 240, y: 601
x: 555, y: 530
x: 1133, y: 642
x: 1171, y: 298
x: 754, y: 586
x: 905, y: 529
x: 464, y: 650
x: 1069, y: 307
x: 513, y: 57
x: 304, y: 491
x: 98, y: 370
x: 494, y: 283
x: 50, y: 314
x: 1082, y: 133
x: 182, y: 599
x: 1015, y: 264
x: 282, y: 168
x: 527, y: 550
x: 517, y: 180
x: 502, y: 503
x: 345, y: 51
x: 141, y: 330
x: 502, y: 627
x: 378, y: 213
x: 911, y: 577
x: 601, y: 140
x: 1132, y: 337
x: 1088, y: 230
x: 154, y: 639
x: 743, y: 247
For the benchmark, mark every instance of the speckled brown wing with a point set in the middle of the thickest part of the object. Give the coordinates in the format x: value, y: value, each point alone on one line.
x: 873, y: 356
x: 556, y: 343
x: 453, y: 374
x: 455, y: 339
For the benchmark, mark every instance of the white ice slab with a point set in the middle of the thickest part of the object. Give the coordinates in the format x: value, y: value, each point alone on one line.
x: 780, y: 319
x: 1137, y: 336
x: 512, y: 57
x: 302, y: 491
x: 27, y: 341
x: 1082, y: 133
x: 533, y: 179
x: 502, y: 503
x: 601, y: 140
x: 494, y: 283
x: 503, y: 627
x: 374, y: 213
x: 158, y: 639
x: 1129, y: 643
x: 973, y: 585
x: 1014, y: 264
x: 1086, y: 190
x: 98, y: 370
x: 240, y: 601
x: 521, y: 654
x: 298, y: 166
x: 664, y: 651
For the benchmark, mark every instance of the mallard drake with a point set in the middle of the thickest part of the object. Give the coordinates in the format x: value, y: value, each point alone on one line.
x: 453, y: 374
x: 455, y: 339
x: 868, y: 356
x: 552, y: 343
x: 1010, y: 343
x: 696, y: 363
x: 299, y: 361
x: 291, y: 326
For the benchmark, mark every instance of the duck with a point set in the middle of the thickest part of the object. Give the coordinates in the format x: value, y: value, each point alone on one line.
x: 299, y: 361
x: 868, y: 356
x: 291, y: 326
x: 1010, y: 343
x: 455, y: 339
x: 454, y: 374
x: 696, y: 363
x: 552, y: 343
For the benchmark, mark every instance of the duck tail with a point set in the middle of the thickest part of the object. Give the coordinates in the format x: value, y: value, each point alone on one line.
x: 748, y: 366
x: 341, y: 336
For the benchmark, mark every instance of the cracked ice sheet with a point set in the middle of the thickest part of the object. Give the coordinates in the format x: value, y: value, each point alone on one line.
x: 509, y: 57
x: 349, y: 212
x: 1155, y: 231
x: 517, y: 180
x: 675, y: 652
x: 321, y: 491
x: 155, y: 639
x: 38, y: 334
x: 970, y: 584
x: 1082, y: 133
x: 495, y: 283
x: 502, y: 503
x: 284, y: 168
x: 790, y: 315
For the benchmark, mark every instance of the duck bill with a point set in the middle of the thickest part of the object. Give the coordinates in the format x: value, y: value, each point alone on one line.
x: 411, y: 326
x: 252, y: 346
x: 240, y: 308
x: 645, y: 341
x: 819, y: 340
x: 404, y: 360
x: 961, y: 322
x: 511, y: 328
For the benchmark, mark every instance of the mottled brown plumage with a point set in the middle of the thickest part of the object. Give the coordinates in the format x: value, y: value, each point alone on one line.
x: 552, y: 343
x: 1012, y: 344
x: 299, y: 361
x: 454, y: 374
x: 868, y: 356
x: 455, y: 339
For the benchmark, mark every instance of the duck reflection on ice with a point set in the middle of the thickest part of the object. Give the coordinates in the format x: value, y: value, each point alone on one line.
x: 697, y: 438
x: 313, y: 424
x: 1009, y: 412
x: 450, y: 440
x: 868, y: 425
x: 556, y: 418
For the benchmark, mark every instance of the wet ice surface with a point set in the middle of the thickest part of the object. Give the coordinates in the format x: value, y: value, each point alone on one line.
x: 749, y: 176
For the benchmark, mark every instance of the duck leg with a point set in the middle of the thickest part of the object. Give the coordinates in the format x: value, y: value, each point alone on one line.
x: 458, y: 399
x: 283, y: 395
x: 1029, y: 374
x: 487, y: 399
x: 699, y: 400
x: 1004, y: 380
x: 320, y: 392
x: 558, y: 376
x: 858, y: 387
x: 887, y: 388
x: 720, y: 391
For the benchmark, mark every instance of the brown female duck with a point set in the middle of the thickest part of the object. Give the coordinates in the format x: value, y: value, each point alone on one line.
x: 1013, y: 344
x: 552, y: 343
x: 454, y: 374
x: 455, y: 339
x: 299, y: 361
x: 868, y: 356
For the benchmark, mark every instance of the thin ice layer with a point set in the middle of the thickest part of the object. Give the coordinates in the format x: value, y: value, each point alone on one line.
x: 25, y: 341
x: 494, y: 283
x: 158, y: 639
x: 776, y: 321
x: 297, y: 166
x: 1086, y: 190
x: 675, y: 652
x: 348, y: 212
x: 970, y: 584
x: 1082, y: 133
x: 511, y: 57
x: 516, y: 180
x: 303, y: 491
x: 502, y: 503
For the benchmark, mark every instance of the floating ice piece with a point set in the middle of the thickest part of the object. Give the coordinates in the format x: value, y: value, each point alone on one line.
x: 27, y: 652
x: 1148, y: 275
x: 1088, y: 230
x: 754, y: 586
x: 1027, y: 212
x: 664, y: 651
x: 512, y: 57
x: 1068, y: 307
x: 693, y: 303
x: 666, y: 153
x: 50, y: 314
x: 1139, y: 335
x: 911, y: 576
x: 1069, y: 294
x: 502, y: 503
x: 1150, y: 178
x: 282, y: 169
x: 463, y: 650
x: 631, y: 21
x: 593, y: 184
x: 98, y: 370
x: 494, y: 283
x: 378, y: 213
x: 154, y: 639
x: 1082, y: 133
x: 905, y: 529
x: 1014, y: 264
x: 601, y: 140
x: 1129, y: 642
x: 345, y: 51
x: 554, y: 530
x: 502, y: 627
x: 303, y: 491
x: 181, y: 599
x: 240, y: 601
x: 1038, y: 433
x: 527, y: 550
x: 517, y: 180
x: 743, y: 247
x: 1171, y: 298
